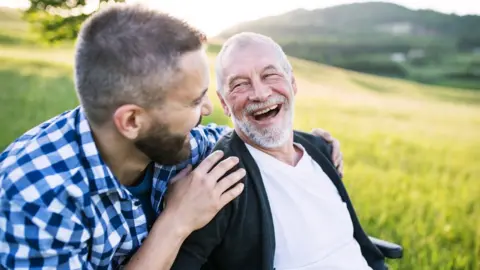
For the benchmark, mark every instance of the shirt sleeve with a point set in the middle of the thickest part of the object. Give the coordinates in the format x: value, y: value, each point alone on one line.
x: 204, y: 139
x: 34, y: 237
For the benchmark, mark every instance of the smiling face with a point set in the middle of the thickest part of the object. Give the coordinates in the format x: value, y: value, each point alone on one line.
x: 258, y: 94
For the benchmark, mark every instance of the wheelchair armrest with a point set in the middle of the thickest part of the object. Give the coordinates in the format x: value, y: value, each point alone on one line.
x: 389, y: 250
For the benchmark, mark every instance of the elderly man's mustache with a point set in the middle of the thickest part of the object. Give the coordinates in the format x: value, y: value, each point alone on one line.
x: 277, y: 99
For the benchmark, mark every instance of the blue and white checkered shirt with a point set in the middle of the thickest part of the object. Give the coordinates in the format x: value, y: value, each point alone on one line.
x: 62, y: 208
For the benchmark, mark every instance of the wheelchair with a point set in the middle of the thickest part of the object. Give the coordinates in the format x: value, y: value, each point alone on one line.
x: 388, y: 249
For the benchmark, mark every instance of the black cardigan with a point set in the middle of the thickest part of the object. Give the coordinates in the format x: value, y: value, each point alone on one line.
x: 241, y: 236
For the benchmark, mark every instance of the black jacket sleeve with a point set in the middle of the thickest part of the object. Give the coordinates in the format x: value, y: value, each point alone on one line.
x: 199, y: 245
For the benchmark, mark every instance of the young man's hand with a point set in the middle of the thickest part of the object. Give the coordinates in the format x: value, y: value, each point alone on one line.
x: 337, y: 156
x: 195, y: 197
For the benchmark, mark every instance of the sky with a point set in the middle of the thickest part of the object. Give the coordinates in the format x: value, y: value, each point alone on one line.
x: 213, y: 16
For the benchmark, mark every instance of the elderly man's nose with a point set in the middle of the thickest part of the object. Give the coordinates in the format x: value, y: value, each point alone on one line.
x: 261, y: 92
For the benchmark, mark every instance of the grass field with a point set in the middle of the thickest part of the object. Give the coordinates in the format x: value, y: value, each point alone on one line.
x: 412, y: 152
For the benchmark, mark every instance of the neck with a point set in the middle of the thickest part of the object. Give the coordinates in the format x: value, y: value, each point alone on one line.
x: 123, y: 159
x: 287, y: 153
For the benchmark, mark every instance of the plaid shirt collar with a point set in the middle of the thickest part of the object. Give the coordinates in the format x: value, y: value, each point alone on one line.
x: 100, y: 176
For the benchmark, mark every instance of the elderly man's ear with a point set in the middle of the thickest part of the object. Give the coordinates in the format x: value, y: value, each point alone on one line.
x: 226, y: 110
x: 294, y: 85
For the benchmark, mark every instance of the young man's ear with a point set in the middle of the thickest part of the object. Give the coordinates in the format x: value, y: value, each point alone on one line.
x: 129, y: 120
x: 226, y: 110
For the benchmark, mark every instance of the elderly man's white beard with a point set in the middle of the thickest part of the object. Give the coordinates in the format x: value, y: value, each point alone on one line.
x: 273, y: 136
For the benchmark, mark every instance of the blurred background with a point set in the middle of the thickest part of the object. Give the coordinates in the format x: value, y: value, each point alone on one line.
x: 397, y: 82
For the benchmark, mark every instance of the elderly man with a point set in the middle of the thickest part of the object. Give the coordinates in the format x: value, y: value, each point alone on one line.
x: 76, y: 191
x: 294, y: 212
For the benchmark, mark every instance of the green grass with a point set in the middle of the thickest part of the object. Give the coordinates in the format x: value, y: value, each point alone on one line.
x: 31, y: 92
x: 411, y: 151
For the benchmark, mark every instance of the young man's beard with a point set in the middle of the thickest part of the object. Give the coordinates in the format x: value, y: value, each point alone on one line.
x: 163, y: 147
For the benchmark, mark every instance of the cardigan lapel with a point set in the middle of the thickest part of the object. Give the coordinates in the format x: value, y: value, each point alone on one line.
x: 255, y: 178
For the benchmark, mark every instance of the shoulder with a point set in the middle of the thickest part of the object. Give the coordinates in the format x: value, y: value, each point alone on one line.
x: 210, y: 129
x: 227, y: 143
x: 211, y: 132
x: 40, y: 138
x: 203, y: 139
x: 43, y: 164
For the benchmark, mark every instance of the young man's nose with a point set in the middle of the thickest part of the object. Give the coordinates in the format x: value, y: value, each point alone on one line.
x: 207, y: 107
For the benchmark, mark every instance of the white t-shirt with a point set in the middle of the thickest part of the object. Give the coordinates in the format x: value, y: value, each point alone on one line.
x: 313, y: 229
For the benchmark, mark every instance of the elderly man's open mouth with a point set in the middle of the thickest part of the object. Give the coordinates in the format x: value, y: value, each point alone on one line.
x: 267, y: 115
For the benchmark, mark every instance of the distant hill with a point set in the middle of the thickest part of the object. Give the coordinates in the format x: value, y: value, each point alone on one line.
x: 381, y: 38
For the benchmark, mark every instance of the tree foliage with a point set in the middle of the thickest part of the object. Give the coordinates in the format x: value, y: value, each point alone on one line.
x: 60, y: 20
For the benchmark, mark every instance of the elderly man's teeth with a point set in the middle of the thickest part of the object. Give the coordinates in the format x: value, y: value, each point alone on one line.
x: 265, y: 110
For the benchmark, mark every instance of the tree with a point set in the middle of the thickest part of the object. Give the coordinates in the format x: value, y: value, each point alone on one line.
x: 60, y: 20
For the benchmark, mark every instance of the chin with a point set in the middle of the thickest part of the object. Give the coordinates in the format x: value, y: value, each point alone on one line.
x: 272, y: 136
x: 269, y: 126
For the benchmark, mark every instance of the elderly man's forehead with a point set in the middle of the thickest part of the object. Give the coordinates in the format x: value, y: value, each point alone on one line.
x: 248, y: 58
x: 243, y: 48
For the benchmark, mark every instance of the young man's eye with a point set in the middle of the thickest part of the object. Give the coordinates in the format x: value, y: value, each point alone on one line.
x: 198, y: 101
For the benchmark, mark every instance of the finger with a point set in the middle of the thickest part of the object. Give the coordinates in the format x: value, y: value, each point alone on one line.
x: 318, y: 132
x: 231, y: 194
x: 322, y: 133
x: 222, y: 168
x: 336, y: 150
x: 230, y: 180
x: 206, y: 165
x: 338, y: 160
x: 181, y: 174
x: 340, y: 169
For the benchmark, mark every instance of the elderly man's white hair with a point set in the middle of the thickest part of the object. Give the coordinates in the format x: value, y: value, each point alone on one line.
x: 242, y: 40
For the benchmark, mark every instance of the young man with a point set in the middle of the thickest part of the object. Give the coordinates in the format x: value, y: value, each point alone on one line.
x: 294, y: 212
x: 75, y: 191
